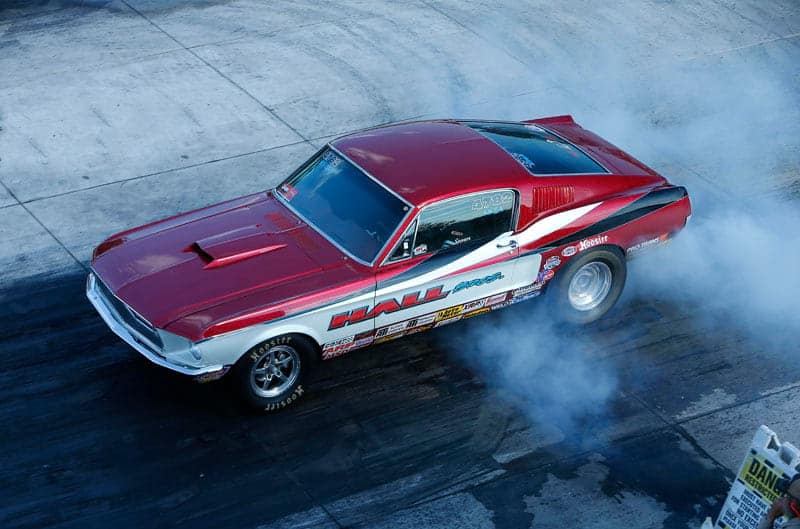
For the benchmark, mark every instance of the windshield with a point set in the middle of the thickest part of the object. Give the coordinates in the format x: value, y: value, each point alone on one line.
x: 344, y: 204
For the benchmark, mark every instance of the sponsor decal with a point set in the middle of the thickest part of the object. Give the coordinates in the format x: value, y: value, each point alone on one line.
x: 448, y: 313
x: 478, y: 282
x: 361, y: 342
x: 569, y: 251
x: 526, y: 289
x: 493, y: 202
x: 421, y: 320
x: 594, y: 241
x: 524, y: 160
x: 336, y: 349
x: 327, y: 355
x: 545, y: 275
x: 501, y: 305
x: 388, y: 337
x: 552, y: 262
x: 341, y: 341
x: 476, y: 312
x: 647, y: 244
x: 529, y: 295
x: 396, y: 327
x: 459, y: 238
x: 387, y: 306
x: 497, y: 298
x: 340, y: 347
x: 214, y: 375
x: 409, y: 300
x: 472, y: 305
x: 447, y: 321
x: 420, y: 329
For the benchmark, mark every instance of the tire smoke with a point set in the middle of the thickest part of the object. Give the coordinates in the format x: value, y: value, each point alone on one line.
x: 706, y: 122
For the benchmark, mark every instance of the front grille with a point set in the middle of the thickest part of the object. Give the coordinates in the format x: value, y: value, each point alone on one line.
x: 128, y: 316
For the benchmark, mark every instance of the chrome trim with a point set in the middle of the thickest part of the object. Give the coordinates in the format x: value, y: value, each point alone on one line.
x: 103, y: 292
x: 135, y: 339
x: 277, y: 193
x: 537, y: 125
x: 388, y: 259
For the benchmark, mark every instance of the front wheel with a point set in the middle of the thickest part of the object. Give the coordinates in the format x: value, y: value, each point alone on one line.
x: 589, y: 285
x: 270, y: 375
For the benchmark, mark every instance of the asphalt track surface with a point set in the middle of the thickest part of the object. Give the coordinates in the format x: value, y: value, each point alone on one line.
x: 116, y: 113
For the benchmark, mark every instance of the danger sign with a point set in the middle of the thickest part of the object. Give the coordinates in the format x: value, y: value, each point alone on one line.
x: 761, y: 475
x: 754, y: 490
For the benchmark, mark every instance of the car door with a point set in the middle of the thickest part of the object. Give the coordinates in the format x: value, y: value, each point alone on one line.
x: 456, y: 260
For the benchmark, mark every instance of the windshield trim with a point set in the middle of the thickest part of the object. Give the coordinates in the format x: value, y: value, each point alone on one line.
x: 364, y: 171
x: 282, y: 199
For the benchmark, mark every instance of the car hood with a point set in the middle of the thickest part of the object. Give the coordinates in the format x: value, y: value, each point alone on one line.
x: 192, y: 271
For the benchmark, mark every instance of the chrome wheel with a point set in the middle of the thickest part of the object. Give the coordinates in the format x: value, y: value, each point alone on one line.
x: 590, y: 285
x: 275, y: 371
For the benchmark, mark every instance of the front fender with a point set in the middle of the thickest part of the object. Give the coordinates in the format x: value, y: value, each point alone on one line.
x: 227, y: 348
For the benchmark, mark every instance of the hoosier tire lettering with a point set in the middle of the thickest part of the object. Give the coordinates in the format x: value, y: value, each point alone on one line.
x: 270, y: 376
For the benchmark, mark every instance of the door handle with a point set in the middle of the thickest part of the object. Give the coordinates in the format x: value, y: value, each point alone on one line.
x: 511, y: 244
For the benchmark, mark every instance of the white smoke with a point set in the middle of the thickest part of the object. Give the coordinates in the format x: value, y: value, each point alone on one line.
x: 726, y: 126
x: 546, y: 370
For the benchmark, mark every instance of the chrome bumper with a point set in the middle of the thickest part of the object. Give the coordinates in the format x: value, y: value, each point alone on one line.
x: 139, y: 342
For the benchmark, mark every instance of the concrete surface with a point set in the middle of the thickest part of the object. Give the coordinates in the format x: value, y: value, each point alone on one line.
x: 116, y: 113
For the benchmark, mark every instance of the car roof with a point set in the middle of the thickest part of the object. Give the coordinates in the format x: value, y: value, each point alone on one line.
x: 425, y: 161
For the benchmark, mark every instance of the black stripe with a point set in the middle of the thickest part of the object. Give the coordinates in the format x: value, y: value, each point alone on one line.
x: 638, y: 208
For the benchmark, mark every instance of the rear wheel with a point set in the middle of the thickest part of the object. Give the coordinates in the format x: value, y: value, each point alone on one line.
x: 269, y: 376
x: 589, y: 285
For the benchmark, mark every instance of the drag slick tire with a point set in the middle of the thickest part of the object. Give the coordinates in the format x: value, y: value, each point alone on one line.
x: 270, y: 376
x: 589, y: 285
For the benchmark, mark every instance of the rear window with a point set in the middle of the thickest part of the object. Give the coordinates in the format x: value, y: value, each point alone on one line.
x: 537, y: 150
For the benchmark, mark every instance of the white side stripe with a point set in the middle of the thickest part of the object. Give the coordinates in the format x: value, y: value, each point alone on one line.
x: 482, y: 253
x: 553, y: 223
x: 490, y: 249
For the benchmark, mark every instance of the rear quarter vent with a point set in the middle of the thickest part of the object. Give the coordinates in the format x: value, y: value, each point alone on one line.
x: 552, y: 197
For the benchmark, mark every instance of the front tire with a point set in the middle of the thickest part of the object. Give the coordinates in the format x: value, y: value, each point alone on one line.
x: 589, y: 285
x: 270, y: 376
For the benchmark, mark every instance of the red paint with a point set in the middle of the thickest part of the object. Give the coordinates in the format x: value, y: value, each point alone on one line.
x: 241, y: 256
x: 250, y: 260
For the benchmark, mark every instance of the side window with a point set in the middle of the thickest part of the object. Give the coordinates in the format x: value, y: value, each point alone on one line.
x: 466, y: 219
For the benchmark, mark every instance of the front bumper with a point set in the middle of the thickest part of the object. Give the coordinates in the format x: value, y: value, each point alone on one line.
x: 172, y: 345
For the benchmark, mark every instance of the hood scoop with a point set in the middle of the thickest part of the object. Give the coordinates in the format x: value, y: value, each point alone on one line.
x: 236, y: 245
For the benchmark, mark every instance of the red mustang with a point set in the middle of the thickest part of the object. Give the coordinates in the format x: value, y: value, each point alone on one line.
x: 384, y: 233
